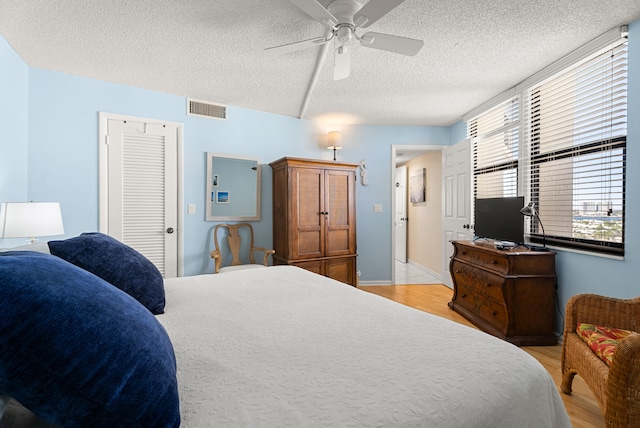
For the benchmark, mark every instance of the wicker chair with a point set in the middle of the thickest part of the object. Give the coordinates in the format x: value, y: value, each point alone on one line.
x: 616, y: 387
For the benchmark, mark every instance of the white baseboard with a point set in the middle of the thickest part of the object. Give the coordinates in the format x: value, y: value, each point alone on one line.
x: 367, y: 283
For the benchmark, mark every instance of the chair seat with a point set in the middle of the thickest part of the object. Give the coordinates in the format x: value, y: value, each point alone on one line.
x: 239, y: 267
x: 602, y: 340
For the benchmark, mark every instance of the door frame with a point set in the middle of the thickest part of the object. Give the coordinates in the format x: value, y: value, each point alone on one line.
x: 405, y: 180
x: 103, y: 176
x: 394, y: 149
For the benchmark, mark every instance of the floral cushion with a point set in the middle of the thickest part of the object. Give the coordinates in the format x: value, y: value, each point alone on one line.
x: 602, y: 340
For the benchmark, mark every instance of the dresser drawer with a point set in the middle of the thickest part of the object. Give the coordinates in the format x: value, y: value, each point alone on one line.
x: 482, y: 306
x: 483, y: 281
x: 489, y: 260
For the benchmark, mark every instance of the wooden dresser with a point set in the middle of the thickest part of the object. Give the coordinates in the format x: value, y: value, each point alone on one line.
x: 507, y: 293
x: 314, y: 216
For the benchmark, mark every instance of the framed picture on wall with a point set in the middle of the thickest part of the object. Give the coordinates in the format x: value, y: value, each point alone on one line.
x: 418, y: 185
x: 222, y: 197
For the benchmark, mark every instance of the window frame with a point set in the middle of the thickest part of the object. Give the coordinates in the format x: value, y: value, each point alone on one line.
x: 528, y: 184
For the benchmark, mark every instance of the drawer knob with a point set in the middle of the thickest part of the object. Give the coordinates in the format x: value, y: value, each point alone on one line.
x: 494, y: 262
x: 463, y: 295
x: 494, y: 313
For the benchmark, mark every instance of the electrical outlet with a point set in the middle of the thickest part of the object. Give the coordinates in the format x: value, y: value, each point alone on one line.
x: 377, y: 208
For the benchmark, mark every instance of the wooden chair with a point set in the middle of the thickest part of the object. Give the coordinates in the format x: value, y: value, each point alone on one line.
x: 616, y: 387
x: 232, y: 252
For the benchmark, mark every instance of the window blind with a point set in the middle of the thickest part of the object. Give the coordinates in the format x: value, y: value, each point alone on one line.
x: 495, y: 141
x: 574, y: 136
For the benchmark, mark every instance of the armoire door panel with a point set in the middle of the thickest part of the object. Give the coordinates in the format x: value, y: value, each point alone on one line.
x: 309, y: 244
x: 340, y: 197
x: 337, y: 242
x: 309, y: 189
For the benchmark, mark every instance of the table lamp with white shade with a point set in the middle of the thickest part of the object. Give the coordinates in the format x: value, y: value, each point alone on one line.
x: 30, y: 219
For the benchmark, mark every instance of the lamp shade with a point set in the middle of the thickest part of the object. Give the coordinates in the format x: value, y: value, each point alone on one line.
x: 528, y: 210
x: 30, y: 219
x: 334, y: 138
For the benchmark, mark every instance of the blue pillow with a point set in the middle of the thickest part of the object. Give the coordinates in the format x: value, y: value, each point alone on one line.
x: 117, y: 264
x: 78, y: 352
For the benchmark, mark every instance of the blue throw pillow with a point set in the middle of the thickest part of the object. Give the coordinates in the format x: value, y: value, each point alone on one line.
x: 78, y: 352
x: 117, y: 264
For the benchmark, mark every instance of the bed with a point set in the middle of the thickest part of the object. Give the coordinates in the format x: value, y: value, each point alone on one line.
x: 281, y: 346
x: 276, y: 346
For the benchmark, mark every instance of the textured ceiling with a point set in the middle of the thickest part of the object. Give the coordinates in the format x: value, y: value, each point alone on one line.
x: 214, y: 50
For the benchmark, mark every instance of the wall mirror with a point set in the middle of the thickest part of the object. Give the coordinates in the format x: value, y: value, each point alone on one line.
x: 233, y: 188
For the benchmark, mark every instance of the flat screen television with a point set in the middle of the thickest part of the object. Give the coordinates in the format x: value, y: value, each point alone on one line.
x: 500, y: 219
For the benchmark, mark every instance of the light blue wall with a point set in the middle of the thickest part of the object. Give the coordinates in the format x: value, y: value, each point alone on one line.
x: 458, y: 132
x: 14, y: 148
x: 14, y: 89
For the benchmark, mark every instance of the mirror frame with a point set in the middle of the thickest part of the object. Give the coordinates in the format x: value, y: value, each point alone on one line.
x: 210, y: 215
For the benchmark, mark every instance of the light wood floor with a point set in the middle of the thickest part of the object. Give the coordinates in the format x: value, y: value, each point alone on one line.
x: 581, y: 405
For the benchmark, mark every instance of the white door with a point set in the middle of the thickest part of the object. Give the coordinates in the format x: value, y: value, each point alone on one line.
x: 141, y: 194
x: 400, y: 215
x: 456, y: 179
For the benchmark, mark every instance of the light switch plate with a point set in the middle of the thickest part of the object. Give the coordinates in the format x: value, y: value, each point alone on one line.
x: 192, y: 208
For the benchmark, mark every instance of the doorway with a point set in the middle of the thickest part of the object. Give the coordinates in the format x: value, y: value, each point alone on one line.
x: 410, y: 271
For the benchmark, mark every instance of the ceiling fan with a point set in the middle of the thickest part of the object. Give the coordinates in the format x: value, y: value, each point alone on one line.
x: 343, y: 18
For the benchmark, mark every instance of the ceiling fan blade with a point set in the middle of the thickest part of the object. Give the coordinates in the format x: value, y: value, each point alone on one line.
x: 317, y: 12
x: 373, y: 11
x: 291, y: 47
x: 387, y: 42
x: 342, y: 62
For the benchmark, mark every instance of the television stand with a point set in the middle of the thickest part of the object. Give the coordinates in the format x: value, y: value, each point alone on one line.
x: 509, y: 293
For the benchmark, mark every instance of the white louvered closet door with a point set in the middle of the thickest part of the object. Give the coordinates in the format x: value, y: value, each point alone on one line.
x: 142, y: 197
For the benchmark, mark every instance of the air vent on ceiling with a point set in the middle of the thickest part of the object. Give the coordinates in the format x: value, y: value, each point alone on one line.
x: 206, y: 109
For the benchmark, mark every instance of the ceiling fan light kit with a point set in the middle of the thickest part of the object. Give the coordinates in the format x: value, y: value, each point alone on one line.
x: 343, y: 18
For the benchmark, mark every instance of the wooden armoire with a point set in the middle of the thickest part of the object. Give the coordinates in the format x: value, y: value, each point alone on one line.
x: 314, y: 216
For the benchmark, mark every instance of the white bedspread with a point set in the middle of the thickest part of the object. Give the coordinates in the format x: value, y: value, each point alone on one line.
x: 281, y: 346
